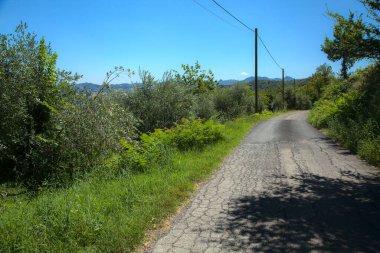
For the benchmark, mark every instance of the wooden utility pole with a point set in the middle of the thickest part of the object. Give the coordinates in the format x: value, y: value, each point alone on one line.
x: 283, y: 89
x: 256, y: 88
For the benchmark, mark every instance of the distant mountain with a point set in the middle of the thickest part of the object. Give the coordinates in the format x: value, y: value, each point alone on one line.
x: 251, y: 79
x: 264, y: 82
x: 95, y: 87
x: 228, y: 82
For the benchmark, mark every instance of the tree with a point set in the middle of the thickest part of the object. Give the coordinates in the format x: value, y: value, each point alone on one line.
x: 49, y: 132
x: 373, y: 7
x: 200, y: 81
x: 322, y: 77
x: 348, y: 33
x: 353, y: 38
x: 31, y: 90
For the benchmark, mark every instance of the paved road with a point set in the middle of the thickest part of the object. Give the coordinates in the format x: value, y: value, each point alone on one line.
x: 286, y: 188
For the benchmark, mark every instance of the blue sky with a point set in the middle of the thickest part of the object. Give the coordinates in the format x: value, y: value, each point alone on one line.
x: 91, y: 37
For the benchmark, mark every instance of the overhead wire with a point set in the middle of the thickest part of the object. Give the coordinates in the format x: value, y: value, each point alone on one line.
x: 213, y: 13
x: 241, y: 22
x: 246, y: 26
x: 262, y: 42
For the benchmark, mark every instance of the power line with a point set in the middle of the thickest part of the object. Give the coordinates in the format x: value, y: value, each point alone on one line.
x: 262, y: 42
x: 241, y: 22
x: 213, y: 13
x: 246, y: 26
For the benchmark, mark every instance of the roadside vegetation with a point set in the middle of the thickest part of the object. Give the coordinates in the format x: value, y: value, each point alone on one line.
x: 350, y: 111
x: 92, y: 172
x: 113, y: 207
x: 349, y: 107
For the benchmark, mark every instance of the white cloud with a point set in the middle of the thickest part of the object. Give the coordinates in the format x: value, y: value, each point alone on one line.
x: 244, y: 74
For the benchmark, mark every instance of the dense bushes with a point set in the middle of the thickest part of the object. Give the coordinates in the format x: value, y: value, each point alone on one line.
x: 350, y: 110
x: 106, y: 213
x: 51, y: 133
x: 156, y: 148
x: 48, y: 131
x: 233, y: 101
x: 159, y: 104
x: 194, y: 133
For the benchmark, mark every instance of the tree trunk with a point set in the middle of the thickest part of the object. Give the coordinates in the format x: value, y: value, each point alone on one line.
x: 344, y: 68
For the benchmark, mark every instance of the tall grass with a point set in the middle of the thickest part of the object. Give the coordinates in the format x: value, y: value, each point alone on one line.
x: 104, y: 213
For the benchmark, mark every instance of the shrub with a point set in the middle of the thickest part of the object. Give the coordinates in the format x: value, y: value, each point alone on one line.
x: 204, y: 106
x: 303, y: 101
x: 194, y: 133
x: 370, y: 150
x: 48, y: 131
x: 159, y: 104
x: 91, y: 130
x: 155, y: 149
x: 350, y: 112
x: 32, y: 92
x: 230, y: 102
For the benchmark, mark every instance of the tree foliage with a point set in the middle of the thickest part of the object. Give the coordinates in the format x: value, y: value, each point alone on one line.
x: 47, y: 129
x: 31, y: 88
x: 354, y: 39
x: 350, y: 109
x: 159, y: 104
x: 199, y: 80
x: 320, y: 79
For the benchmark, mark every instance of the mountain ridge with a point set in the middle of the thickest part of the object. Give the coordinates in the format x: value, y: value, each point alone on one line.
x: 127, y: 86
x: 251, y: 79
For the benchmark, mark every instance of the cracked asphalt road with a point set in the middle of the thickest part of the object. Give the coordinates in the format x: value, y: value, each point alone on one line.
x: 286, y: 188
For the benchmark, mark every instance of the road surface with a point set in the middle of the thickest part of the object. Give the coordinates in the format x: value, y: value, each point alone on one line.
x: 286, y: 188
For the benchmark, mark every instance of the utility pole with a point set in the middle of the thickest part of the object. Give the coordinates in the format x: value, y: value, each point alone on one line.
x: 283, y: 89
x: 256, y: 88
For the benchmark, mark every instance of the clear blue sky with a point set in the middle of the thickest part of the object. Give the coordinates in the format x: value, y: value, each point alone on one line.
x: 93, y: 36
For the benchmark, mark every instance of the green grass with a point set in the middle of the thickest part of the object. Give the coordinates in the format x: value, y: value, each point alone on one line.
x: 111, y: 215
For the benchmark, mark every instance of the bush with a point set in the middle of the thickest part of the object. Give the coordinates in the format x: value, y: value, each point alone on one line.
x: 91, y: 130
x: 155, y: 149
x: 370, y: 150
x: 350, y: 112
x: 204, y: 106
x: 48, y: 131
x: 230, y: 102
x: 194, y: 133
x: 159, y: 104
x: 32, y: 92
x: 303, y: 101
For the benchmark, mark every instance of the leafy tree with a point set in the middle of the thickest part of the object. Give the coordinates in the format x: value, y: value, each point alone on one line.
x: 353, y: 38
x: 348, y: 33
x: 373, y: 7
x: 321, y: 78
x: 233, y: 101
x: 30, y: 88
x: 48, y: 131
x: 200, y: 81
x: 159, y: 104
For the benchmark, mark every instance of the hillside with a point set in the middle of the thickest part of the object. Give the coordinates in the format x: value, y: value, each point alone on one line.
x: 95, y: 87
x: 252, y: 79
x: 264, y: 83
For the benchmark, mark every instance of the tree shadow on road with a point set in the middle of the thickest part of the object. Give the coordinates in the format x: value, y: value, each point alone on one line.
x: 317, y: 213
